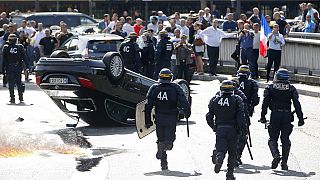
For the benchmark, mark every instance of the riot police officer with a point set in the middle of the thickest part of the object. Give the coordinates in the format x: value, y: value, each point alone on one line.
x: 278, y: 97
x: 163, y: 52
x: 147, y: 56
x: 167, y: 97
x: 130, y: 52
x: 13, y: 57
x: 226, y: 117
x: 250, y: 88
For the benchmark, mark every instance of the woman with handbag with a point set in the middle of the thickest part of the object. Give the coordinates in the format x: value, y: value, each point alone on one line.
x: 198, y: 48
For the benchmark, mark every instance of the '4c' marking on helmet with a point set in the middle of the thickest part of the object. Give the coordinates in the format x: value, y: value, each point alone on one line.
x: 224, y: 102
x: 162, y: 96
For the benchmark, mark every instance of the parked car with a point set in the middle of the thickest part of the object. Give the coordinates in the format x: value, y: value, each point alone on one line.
x: 98, y: 91
x: 54, y: 18
x: 93, y: 46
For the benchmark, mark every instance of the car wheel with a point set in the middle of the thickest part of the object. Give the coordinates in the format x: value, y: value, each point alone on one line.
x: 114, y: 66
x: 59, y: 54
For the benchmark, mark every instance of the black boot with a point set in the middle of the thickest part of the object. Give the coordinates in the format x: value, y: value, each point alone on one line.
x: 285, y: 156
x: 164, y: 162
x: 275, y: 154
x: 275, y: 162
x: 161, y: 147
x: 218, y: 165
x: 12, y: 100
x: 230, y: 175
x: 214, y: 156
x: 21, y: 98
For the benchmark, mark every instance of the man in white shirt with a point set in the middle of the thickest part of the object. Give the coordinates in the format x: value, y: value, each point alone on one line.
x: 127, y: 27
x: 184, y: 28
x: 36, y: 40
x: 276, y: 41
x: 153, y: 24
x: 212, y: 37
x: 26, y: 30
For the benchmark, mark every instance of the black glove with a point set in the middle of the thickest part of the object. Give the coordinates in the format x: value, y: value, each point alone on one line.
x: 147, y: 120
x: 149, y: 124
x: 263, y: 120
x: 214, y: 128
x: 301, y: 122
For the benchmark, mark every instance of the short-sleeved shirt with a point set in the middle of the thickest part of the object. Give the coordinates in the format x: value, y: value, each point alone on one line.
x: 48, y: 44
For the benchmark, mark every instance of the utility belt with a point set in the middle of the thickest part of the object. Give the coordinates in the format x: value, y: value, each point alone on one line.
x: 281, y: 110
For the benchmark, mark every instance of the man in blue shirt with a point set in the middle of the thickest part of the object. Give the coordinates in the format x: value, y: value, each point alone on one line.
x: 229, y: 25
x: 309, y: 26
x: 246, y: 45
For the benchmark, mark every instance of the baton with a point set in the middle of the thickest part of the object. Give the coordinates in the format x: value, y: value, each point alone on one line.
x: 250, y: 143
x: 249, y: 150
x: 187, y: 126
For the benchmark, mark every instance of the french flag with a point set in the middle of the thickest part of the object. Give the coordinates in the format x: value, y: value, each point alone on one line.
x: 265, y: 30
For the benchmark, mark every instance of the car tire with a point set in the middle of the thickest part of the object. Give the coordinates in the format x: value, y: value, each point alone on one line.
x: 114, y: 66
x: 59, y: 54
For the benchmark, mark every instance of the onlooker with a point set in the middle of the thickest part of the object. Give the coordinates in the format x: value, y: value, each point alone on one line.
x: 103, y: 25
x: 114, y: 20
x: 316, y: 22
x: 153, y: 24
x: 26, y: 31
x: 309, y: 25
x: 173, y: 25
x: 184, y: 28
x: 311, y: 10
x: 153, y: 14
x: 243, y: 17
x: 125, y: 14
x: 255, y: 18
x: 175, y: 40
x: 276, y: 9
x: 37, y: 37
x: 304, y: 11
x: 47, y: 44
x: 137, y: 15
x: 177, y: 18
x: 11, y: 30
x: 118, y: 30
x: 127, y: 27
x: 255, y: 51
x: 3, y: 19
x: 207, y: 16
x: 268, y: 19
x: 151, y: 35
x: 229, y: 25
x: 283, y: 25
x: 198, y: 48
x: 191, y: 29
x: 240, y: 25
x: 63, y: 35
x: 246, y: 45
x: 276, y: 41
x: 202, y: 20
x: 122, y: 20
x: 183, y: 51
x: 215, y: 13
x: 162, y: 16
x: 138, y: 26
x: 213, y: 37
x: 228, y: 10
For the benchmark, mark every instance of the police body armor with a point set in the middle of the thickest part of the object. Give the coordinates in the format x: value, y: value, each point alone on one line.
x: 128, y: 51
x: 246, y: 86
x: 281, y: 93
x: 14, y: 54
x: 166, y: 100
x: 225, y: 109
x: 166, y: 50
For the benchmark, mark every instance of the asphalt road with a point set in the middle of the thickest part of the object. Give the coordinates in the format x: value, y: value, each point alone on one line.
x: 41, y: 147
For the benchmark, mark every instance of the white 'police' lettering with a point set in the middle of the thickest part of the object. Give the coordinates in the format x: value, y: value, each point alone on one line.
x: 169, y: 47
x: 126, y: 49
x: 162, y: 96
x: 13, y: 50
x: 281, y: 86
x: 242, y: 85
x: 222, y: 102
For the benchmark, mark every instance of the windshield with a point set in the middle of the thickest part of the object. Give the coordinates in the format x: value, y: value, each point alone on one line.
x: 103, y: 46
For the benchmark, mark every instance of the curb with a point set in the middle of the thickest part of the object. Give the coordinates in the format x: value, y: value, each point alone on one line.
x: 261, y: 85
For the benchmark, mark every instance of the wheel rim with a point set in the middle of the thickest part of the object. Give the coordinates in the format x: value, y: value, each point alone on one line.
x: 185, y: 89
x: 116, y: 66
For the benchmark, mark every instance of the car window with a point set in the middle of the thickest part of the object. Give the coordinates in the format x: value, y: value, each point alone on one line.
x: 86, y: 21
x: 66, y: 45
x: 103, y: 46
x: 73, y: 45
x: 72, y: 21
x: 47, y: 21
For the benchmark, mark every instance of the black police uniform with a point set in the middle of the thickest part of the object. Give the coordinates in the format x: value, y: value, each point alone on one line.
x: 167, y: 98
x: 129, y: 50
x: 277, y: 97
x: 163, y: 54
x: 13, y: 57
x: 147, y: 59
x: 226, y: 114
x: 250, y: 88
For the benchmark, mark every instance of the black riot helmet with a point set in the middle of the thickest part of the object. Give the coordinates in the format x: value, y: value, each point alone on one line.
x: 236, y: 82
x: 227, y: 87
x: 12, y: 39
x: 163, y: 34
x: 282, y: 75
x: 244, y: 71
x: 165, y: 75
x: 133, y: 36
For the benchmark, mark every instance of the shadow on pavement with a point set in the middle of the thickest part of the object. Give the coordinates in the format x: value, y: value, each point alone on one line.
x: 293, y: 173
x: 172, y: 173
x: 250, y: 169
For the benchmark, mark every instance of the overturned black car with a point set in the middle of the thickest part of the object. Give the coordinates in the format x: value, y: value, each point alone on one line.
x: 100, y: 92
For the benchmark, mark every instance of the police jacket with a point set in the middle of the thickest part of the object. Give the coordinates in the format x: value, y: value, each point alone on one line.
x: 164, y: 51
x: 278, y: 96
x: 147, y: 53
x: 13, y: 54
x: 129, y: 50
x: 226, y: 109
x: 167, y: 98
x: 250, y: 88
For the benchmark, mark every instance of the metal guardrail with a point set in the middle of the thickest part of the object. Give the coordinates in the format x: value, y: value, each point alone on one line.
x: 304, y: 35
x: 298, y: 55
